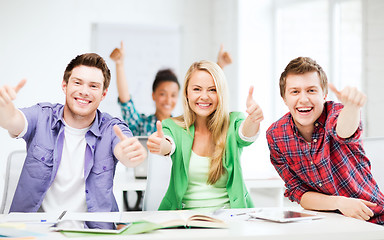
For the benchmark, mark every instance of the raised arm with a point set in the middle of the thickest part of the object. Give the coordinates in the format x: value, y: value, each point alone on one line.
x: 11, y: 118
x: 223, y: 58
x: 255, y: 116
x: 349, y: 118
x: 117, y: 56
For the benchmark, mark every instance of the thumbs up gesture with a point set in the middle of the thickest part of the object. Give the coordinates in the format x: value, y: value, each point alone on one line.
x: 129, y: 150
x: 253, y: 109
x: 224, y: 58
x: 117, y: 55
x: 8, y: 93
x: 349, y: 117
x: 9, y: 115
x: 255, y: 116
x: 349, y: 96
x: 157, y: 143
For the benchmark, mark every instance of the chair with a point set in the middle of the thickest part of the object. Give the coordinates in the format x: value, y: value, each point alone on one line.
x: 140, y: 172
x: 159, y: 173
x: 13, y: 170
x: 374, y: 149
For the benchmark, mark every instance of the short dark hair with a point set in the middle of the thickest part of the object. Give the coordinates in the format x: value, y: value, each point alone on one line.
x: 90, y: 60
x: 165, y: 75
x: 303, y: 65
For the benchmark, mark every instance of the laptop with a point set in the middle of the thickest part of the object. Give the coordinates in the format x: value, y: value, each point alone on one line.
x: 141, y: 170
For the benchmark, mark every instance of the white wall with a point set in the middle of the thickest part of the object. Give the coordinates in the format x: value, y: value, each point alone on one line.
x: 255, y: 67
x: 38, y: 39
x: 374, y: 66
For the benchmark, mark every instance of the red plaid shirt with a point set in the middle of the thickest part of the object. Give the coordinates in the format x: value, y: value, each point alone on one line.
x: 329, y: 165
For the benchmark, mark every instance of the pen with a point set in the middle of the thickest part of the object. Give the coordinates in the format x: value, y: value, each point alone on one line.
x: 239, y: 214
x: 61, y: 215
x: 244, y: 213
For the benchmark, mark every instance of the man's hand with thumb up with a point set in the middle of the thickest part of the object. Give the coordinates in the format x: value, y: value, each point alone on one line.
x: 129, y: 150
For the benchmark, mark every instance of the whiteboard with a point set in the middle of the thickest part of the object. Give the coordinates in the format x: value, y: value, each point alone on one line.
x: 148, y: 49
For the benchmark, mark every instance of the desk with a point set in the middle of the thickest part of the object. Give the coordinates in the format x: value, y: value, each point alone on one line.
x: 125, y: 180
x: 333, y: 226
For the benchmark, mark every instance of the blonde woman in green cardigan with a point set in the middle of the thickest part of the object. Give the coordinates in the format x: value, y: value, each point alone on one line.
x: 205, y: 144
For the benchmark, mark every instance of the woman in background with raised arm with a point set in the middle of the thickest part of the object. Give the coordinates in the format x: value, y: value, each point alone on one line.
x: 165, y: 91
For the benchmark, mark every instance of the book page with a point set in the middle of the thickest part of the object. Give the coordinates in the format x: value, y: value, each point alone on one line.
x: 199, y: 220
x: 188, y: 218
x: 168, y: 218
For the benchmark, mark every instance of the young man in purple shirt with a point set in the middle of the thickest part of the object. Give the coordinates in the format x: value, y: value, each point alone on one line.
x: 72, y: 149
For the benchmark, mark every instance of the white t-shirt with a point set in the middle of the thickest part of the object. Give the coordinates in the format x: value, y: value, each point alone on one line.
x: 67, y: 191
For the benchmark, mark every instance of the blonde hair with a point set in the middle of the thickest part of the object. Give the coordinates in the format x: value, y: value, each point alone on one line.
x: 218, y: 121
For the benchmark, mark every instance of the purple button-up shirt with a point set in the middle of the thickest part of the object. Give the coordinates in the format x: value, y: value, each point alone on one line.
x: 45, y: 138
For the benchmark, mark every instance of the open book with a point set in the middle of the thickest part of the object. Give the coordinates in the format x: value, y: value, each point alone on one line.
x: 186, y: 218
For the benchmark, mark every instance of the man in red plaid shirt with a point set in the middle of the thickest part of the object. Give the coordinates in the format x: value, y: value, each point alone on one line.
x: 316, y: 147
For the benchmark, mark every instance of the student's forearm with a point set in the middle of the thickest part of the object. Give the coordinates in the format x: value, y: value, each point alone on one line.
x: 222, y: 65
x: 350, y: 207
x: 348, y: 121
x: 319, y: 201
x: 12, y: 120
x: 166, y: 147
x: 250, y: 128
x: 122, y: 84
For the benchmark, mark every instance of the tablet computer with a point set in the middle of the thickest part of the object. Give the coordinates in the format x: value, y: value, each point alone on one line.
x: 283, y: 216
x: 89, y: 226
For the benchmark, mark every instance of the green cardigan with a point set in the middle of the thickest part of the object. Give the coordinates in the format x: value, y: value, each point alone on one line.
x: 237, y: 191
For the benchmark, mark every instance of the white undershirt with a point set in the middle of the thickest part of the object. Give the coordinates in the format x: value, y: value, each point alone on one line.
x: 67, y: 191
